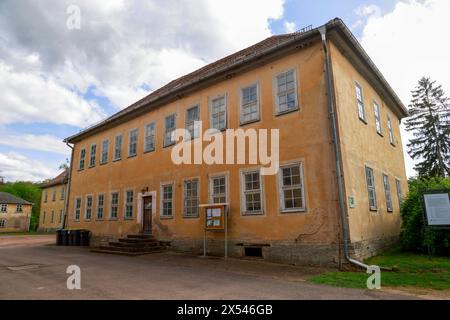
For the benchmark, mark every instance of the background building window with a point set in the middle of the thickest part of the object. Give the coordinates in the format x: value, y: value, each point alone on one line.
x: 88, y: 212
x: 149, y: 137
x: 114, y: 205
x: 169, y: 129
x: 370, y: 180
x: 360, y: 102
x: 2, y: 223
x: 218, y: 187
x: 77, y: 209
x: 291, y: 183
x: 19, y: 208
x: 191, y: 199
x: 192, y: 115
x: 82, y: 158
x: 100, y: 206
x: 376, y: 110
x: 3, y: 207
x: 132, y: 145
x: 63, y: 191
x: 118, y: 148
x: 252, y: 192
x: 129, y: 200
x: 167, y: 200
x: 387, y: 192
x: 249, y: 104
x: 286, y: 86
x: 105, y: 148
x: 219, y: 113
x: 93, y: 155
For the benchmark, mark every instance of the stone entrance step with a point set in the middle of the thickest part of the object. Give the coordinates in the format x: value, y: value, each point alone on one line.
x: 132, y: 245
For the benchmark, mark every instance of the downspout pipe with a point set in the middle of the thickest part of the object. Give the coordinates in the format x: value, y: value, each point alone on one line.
x: 337, y: 149
x: 69, y: 176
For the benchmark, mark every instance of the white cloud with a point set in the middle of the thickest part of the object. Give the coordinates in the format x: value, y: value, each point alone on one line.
x: 16, y: 167
x: 409, y: 43
x: 46, y: 142
x: 290, y: 27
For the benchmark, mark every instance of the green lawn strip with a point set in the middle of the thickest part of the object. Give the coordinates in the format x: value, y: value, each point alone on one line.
x: 410, y: 270
x: 31, y: 233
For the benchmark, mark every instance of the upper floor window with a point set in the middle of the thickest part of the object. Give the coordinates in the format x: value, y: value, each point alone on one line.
x: 105, y: 149
x: 291, y: 188
x: 360, y: 102
x: 192, y: 116
x: 252, y: 192
x: 191, y: 198
x: 3, y: 207
x: 167, y: 200
x: 118, y: 147
x: 129, y: 200
x: 132, y: 143
x: 19, y: 208
x: 149, y: 143
x: 54, y: 195
x: 82, y: 159
x: 249, y: 104
x: 387, y: 192
x: 218, y: 113
x: 88, y: 211
x: 170, y: 127
x: 93, y: 155
x: 77, y: 212
x: 391, y: 131
x: 63, y: 191
x: 114, y: 205
x: 45, y: 196
x: 370, y: 180
x: 376, y: 110
x: 286, y: 95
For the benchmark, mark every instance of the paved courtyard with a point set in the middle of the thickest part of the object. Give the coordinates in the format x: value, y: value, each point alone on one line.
x: 34, y: 268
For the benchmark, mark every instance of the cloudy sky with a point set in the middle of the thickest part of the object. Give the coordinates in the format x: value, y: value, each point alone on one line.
x: 54, y: 81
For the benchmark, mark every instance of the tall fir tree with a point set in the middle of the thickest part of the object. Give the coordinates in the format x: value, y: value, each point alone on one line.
x: 429, y: 122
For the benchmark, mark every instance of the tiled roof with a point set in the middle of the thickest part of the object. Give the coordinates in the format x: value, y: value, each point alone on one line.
x: 60, y: 179
x: 11, y: 199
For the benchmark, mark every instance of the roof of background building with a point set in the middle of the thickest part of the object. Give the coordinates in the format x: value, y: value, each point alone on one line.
x: 60, y: 179
x: 224, y: 66
x: 11, y: 199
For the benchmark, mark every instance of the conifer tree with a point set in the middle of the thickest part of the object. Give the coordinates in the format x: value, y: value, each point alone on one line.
x: 429, y: 122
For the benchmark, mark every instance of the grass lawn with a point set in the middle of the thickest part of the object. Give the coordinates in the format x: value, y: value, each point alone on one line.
x: 31, y: 233
x: 409, y: 270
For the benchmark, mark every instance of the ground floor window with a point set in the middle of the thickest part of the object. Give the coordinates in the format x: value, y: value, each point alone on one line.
x: 191, y: 199
x: 129, y: 197
x: 100, y: 206
x: 387, y: 192
x: 114, y: 205
x: 77, y: 212
x: 88, y: 212
x: 218, y: 189
x: 60, y: 216
x: 167, y: 200
x: 52, y: 217
x: 291, y: 187
x: 370, y: 180
x: 252, y: 192
x: 2, y: 223
x: 43, y: 217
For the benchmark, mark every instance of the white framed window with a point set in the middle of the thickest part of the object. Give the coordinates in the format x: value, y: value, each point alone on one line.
x: 292, y: 193
x: 88, y: 209
x: 82, y: 159
x: 100, y: 206
x: 118, y: 147
x: 391, y: 131
x: 3, y: 207
x: 360, y: 102
x: 19, y: 208
x: 52, y: 216
x: 2, y: 223
x: 114, y: 205
x: 60, y: 216
x: 286, y: 92
x: 167, y: 200
x: 191, y: 198
x: 218, y: 113
x: 218, y: 189
x: 387, y: 193
x: 63, y: 193
x: 45, y: 196
x: 132, y: 143
x: 105, y: 149
x: 77, y: 213
x: 129, y: 204
x: 54, y: 195
x: 377, y: 112
x: 249, y: 104
x: 43, y: 217
x: 398, y: 186
x: 149, y: 141
x: 370, y: 181
x: 192, y: 116
x: 170, y: 126
x: 93, y: 155
x: 251, y: 193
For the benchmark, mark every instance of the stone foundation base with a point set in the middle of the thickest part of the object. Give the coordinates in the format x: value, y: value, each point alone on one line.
x: 368, y: 248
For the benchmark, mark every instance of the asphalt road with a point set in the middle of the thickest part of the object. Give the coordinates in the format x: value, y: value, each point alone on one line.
x: 35, y: 269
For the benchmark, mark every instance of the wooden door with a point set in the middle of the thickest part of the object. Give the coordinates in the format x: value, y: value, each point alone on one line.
x: 147, y: 218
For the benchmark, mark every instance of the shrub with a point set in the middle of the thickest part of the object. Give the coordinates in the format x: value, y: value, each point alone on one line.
x: 414, y: 235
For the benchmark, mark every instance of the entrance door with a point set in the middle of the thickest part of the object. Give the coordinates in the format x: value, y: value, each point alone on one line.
x: 147, y: 225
